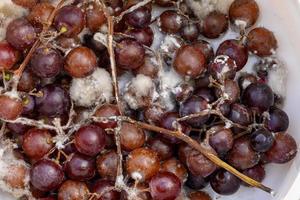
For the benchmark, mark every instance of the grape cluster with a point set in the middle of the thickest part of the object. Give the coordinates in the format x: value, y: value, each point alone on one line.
x: 182, y: 90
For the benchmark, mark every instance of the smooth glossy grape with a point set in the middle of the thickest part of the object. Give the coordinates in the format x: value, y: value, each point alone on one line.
x: 46, y: 175
x: 262, y: 140
x: 21, y: 34
x: 80, y: 167
x: 90, y: 140
x: 242, y: 156
x: 258, y: 96
x: 8, y: 56
x: 69, y: 20
x: 214, y: 24
x: 225, y: 183
x: 37, y: 143
x: 278, y: 120
x: 221, y: 139
x: 46, y: 62
x: 10, y: 108
x: 164, y: 186
x: 206, y: 93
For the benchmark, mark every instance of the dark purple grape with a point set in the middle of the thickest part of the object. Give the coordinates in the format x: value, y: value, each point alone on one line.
x: 29, y: 105
x: 194, y: 105
x: 225, y: 108
x: 46, y: 175
x: 168, y: 121
x: 222, y: 67
x: 80, y: 167
x: 278, y: 120
x: 283, y: 150
x: 221, y: 139
x: 258, y: 96
x: 69, y: 20
x: 190, y: 32
x: 196, y: 182
x: 242, y: 156
x: 206, y: 93
x: 144, y: 36
x: 235, y: 50
x: 17, y: 128
x: 90, y: 140
x: 139, y: 18
x: 214, y: 24
x: 240, y: 114
x: 54, y: 102
x: 225, y: 183
x: 262, y: 140
x: 170, y: 21
x: 203, y: 81
x: 20, y: 34
x: 102, y: 187
x: 46, y: 62
x: 164, y: 186
x: 257, y: 173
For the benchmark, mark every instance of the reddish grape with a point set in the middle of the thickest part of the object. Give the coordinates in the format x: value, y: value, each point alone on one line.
x: 236, y: 51
x: 189, y: 32
x: 80, y: 62
x: 183, y: 152
x: 221, y: 139
x: 80, y: 167
x: 199, y: 195
x: 170, y: 21
x: 131, y: 137
x: 244, y: 13
x: 15, y: 176
x: 174, y: 166
x: 130, y: 54
x: 107, y: 110
x: 183, y: 92
x: 278, y: 120
x: 115, y: 6
x: 142, y: 164
x: 8, y: 56
x: 139, y: 18
x: 90, y: 140
x: 189, y: 61
x: 225, y: 183
x: 69, y: 20
x: 37, y: 143
x: 95, y: 17
x: 283, y: 150
x: 262, y: 140
x: 258, y: 96
x: 144, y: 36
x: 11, y: 108
x: 20, y: 34
x: 107, y: 164
x: 46, y: 62
x: 261, y: 42
x: 163, y: 149
x: 203, y: 81
x: 73, y: 190
x: 54, y: 102
x: 46, y: 175
x: 242, y: 156
x: 214, y: 24
x: 103, y: 187
x: 230, y: 91
x: 39, y: 14
x: 257, y: 173
x: 164, y: 186
x: 206, y: 49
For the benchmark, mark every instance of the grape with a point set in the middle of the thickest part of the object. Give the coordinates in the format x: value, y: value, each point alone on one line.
x: 20, y: 34
x: 223, y: 67
x: 46, y: 175
x: 196, y: 182
x: 236, y: 51
x: 206, y: 48
x: 240, y: 114
x: 242, y: 156
x: 107, y: 110
x: 189, y: 61
x: 214, y: 24
x: 257, y: 173
x: 206, y: 93
x: 246, y: 79
x: 170, y: 21
x: 199, y: 195
x: 37, y: 143
x: 103, y: 188
x: 54, y: 102
x: 74, y: 190
x: 278, y: 120
x: 15, y: 176
x: 69, y: 20
x: 184, y: 91
x: 164, y: 186
x: 139, y: 18
x: 29, y: 105
x: 221, y: 139
x: 17, y: 128
x: 46, y: 62
x: 8, y: 56
x: 148, y: 68
x: 10, y: 108
x: 164, y: 3
x: 283, y: 150
x: 189, y: 32
x: 230, y: 91
x: 107, y: 164
x: 95, y: 17
x: 90, y: 140
x: 80, y: 167
x: 163, y: 149
x: 225, y: 183
x: 39, y: 14
x: 258, y: 96
x: 131, y: 137
x: 262, y: 140
x: 174, y: 166
x: 144, y: 36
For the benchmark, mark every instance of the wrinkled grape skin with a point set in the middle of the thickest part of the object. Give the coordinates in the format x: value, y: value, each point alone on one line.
x: 236, y: 51
x: 242, y: 156
x: 283, y: 150
x: 225, y: 183
x: 164, y: 186
x: 21, y: 34
x: 107, y: 110
x: 8, y: 56
x: 39, y: 14
x: 46, y: 175
x: 54, y: 102
x: 46, y: 62
x: 278, y: 121
x: 70, y: 18
x: 258, y: 96
x: 139, y: 18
